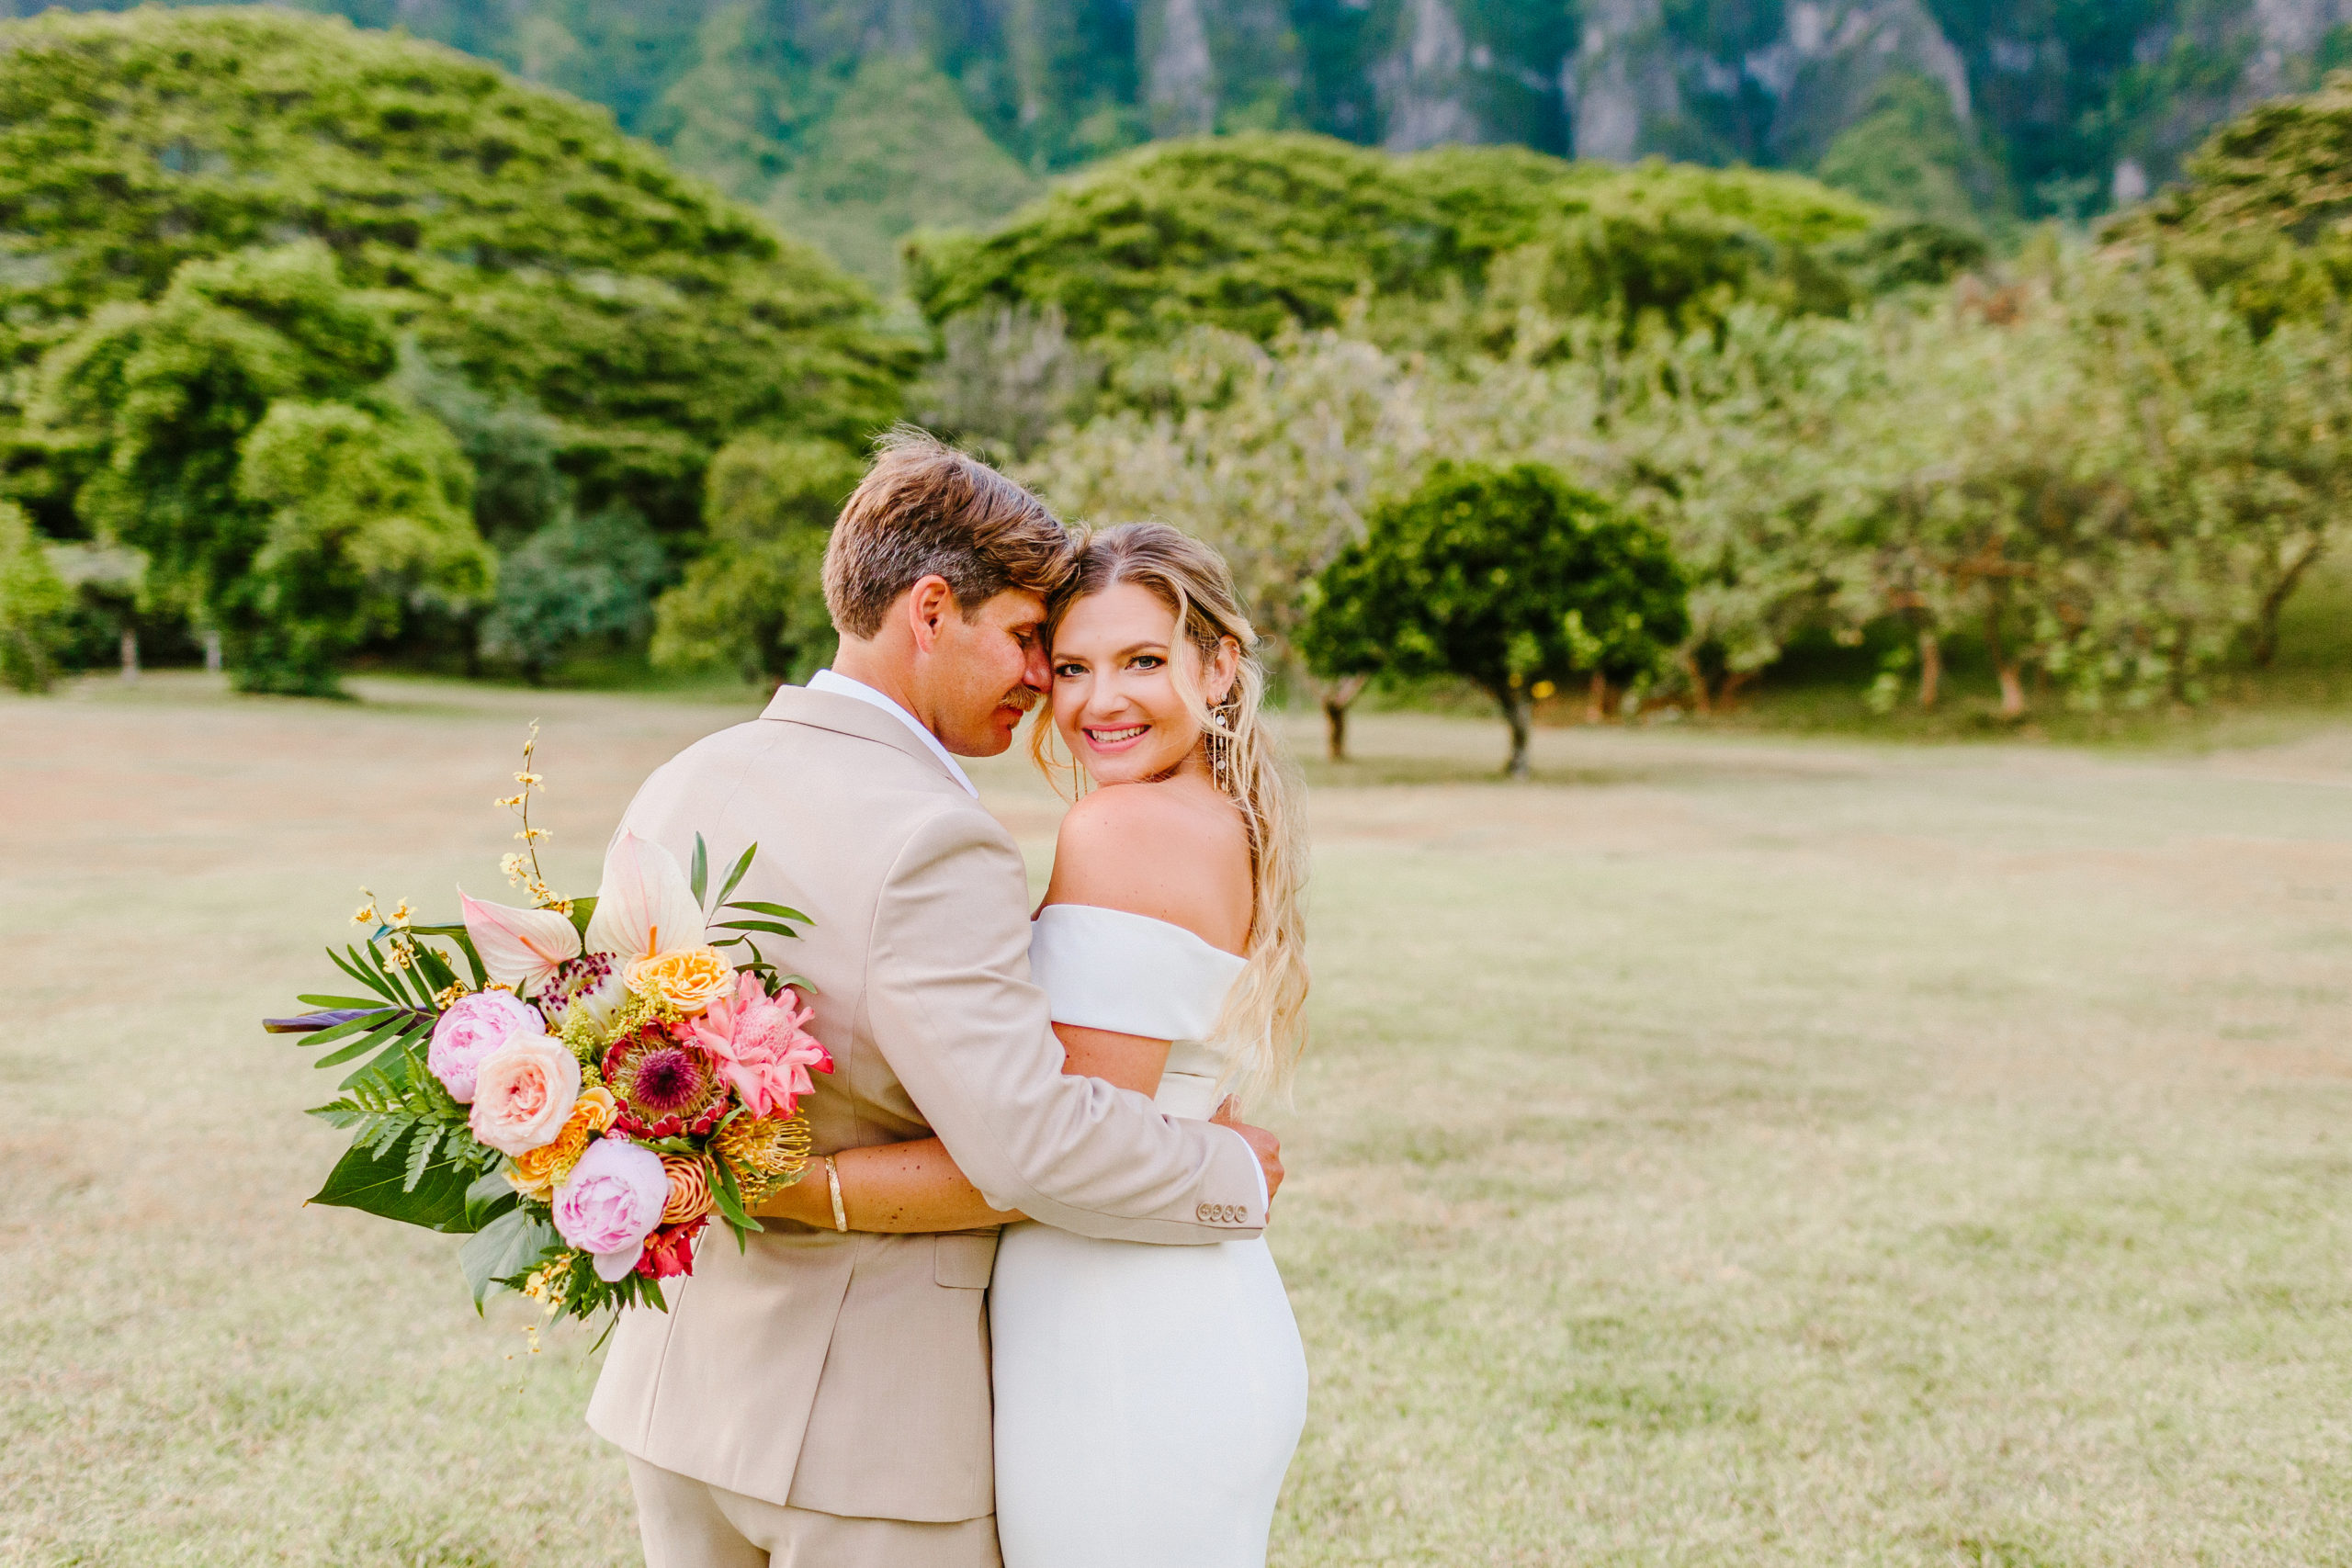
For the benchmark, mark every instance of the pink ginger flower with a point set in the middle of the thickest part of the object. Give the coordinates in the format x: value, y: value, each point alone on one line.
x: 763, y: 1045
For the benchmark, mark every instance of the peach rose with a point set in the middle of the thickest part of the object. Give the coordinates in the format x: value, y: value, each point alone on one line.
x: 538, y: 1171
x: 689, y: 1189
x: 688, y: 978
x: 524, y: 1093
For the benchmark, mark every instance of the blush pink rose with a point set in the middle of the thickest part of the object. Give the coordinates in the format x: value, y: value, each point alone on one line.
x: 763, y: 1045
x: 524, y: 1093
x: 470, y: 1029
x: 611, y: 1202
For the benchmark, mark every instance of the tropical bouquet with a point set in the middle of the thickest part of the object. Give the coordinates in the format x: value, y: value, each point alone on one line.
x: 580, y: 1086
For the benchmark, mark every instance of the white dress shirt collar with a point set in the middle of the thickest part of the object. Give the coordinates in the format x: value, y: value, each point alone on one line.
x: 843, y: 686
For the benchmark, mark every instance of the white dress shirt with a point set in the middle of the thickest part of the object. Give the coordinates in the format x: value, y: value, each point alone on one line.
x: 843, y: 686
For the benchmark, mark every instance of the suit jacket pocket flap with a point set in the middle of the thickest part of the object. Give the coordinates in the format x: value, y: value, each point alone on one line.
x: 964, y: 1260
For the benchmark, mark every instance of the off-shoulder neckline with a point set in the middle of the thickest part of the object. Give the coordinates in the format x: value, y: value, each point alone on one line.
x: 1184, y: 932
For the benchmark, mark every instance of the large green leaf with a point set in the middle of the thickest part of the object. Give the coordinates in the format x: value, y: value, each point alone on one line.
x: 379, y: 1185
x: 506, y: 1247
x: 488, y: 1197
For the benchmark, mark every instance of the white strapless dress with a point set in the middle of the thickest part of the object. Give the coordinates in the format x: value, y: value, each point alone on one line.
x: 1148, y: 1398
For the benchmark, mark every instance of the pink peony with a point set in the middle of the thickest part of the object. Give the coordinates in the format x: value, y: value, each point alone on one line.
x: 763, y: 1046
x: 472, y: 1028
x: 524, y: 1093
x: 611, y: 1202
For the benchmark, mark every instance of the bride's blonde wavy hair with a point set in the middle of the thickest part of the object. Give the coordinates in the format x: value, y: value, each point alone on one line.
x: 1265, y: 1015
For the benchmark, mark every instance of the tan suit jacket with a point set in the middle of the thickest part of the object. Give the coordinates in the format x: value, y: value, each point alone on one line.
x: 849, y: 1374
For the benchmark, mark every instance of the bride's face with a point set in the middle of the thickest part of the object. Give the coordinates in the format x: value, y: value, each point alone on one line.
x: 1116, y: 701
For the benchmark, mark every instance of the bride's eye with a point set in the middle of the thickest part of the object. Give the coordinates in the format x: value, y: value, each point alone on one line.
x: 1069, y: 671
x: 1146, y: 661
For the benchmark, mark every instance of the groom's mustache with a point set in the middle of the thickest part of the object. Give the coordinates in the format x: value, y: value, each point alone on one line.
x: 1022, y: 698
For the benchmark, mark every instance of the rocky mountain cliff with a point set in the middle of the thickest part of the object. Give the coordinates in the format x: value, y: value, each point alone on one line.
x: 852, y: 120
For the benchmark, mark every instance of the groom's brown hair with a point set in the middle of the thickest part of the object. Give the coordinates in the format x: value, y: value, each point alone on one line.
x: 924, y: 510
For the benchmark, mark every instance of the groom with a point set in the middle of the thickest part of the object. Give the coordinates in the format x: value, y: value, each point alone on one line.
x: 821, y: 1399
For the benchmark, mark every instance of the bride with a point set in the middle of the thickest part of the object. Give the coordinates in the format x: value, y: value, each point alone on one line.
x: 1148, y: 1398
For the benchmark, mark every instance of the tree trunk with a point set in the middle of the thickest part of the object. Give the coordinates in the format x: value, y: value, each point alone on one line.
x: 1517, y: 714
x: 2012, y: 688
x: 1596, y: 699
x: 130, y: 654
x: 212, y: 653
x: 1337, y: 696
x: 1697, y: 676
x: 1931, y: 667
x: 2265, y: 623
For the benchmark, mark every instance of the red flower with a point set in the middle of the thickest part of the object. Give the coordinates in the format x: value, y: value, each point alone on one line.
x: 670, y: 1251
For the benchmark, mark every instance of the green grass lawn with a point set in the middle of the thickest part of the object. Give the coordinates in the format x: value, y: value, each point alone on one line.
x: 1726, y: 1148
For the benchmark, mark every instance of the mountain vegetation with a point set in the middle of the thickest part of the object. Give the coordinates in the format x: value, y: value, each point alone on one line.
x: 520, y: 240
x: 851, y: 123
x: 1262, y: 230
x: 223, y: 230
x: 319, y: 341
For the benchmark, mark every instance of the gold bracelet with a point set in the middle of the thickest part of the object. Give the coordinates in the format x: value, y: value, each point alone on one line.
x: 834, y: 1180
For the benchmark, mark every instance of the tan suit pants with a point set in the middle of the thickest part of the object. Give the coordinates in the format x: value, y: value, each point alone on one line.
x: 691, y: 1523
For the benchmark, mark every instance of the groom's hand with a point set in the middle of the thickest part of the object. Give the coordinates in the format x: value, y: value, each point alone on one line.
x: 1264, y: 1145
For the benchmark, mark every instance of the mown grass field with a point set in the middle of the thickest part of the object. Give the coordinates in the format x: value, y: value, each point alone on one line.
x: 1724, y: 1149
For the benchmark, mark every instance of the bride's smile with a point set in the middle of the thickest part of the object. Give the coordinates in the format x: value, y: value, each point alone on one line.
x: 1124, y: 707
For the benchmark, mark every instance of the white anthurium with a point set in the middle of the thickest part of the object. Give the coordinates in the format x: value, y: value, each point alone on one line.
x: 645, y: 906
x: 519, y: 948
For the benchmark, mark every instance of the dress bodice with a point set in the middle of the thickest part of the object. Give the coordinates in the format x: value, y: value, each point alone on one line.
x: 1132, y: 974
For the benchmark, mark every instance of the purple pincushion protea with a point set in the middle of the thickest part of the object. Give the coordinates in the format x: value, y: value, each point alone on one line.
x: 666, y: 1086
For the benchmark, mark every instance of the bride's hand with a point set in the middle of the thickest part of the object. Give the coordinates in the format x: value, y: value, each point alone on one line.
x: 1264, y: 1145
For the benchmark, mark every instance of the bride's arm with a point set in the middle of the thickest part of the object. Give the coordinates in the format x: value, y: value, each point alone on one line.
x: 914, y: 1186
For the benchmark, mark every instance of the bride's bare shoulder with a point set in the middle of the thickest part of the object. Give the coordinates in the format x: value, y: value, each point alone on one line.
x: 1168, y: 850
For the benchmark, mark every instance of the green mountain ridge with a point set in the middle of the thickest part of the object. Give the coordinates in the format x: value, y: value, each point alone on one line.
x: 853, y: 123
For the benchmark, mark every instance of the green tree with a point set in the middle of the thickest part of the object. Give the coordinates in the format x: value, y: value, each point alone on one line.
x: 238, y: 431
x: 756, y: 598
x: 574, y: 582
x: 1262, y: 232
x: 525, y: 242
x: 2262, y: 215
x: 1503, y: 577
x: 35, y: 605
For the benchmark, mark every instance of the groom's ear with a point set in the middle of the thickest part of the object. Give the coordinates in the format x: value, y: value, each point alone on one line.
x: 927, y: 606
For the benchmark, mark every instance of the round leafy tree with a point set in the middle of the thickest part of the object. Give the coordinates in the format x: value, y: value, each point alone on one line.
x: 1504, y: 577
x: 239, y: 431
x: 521, y: 238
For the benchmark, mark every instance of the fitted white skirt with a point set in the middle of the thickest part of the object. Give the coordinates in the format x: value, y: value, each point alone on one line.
x: 1147, y: 1401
